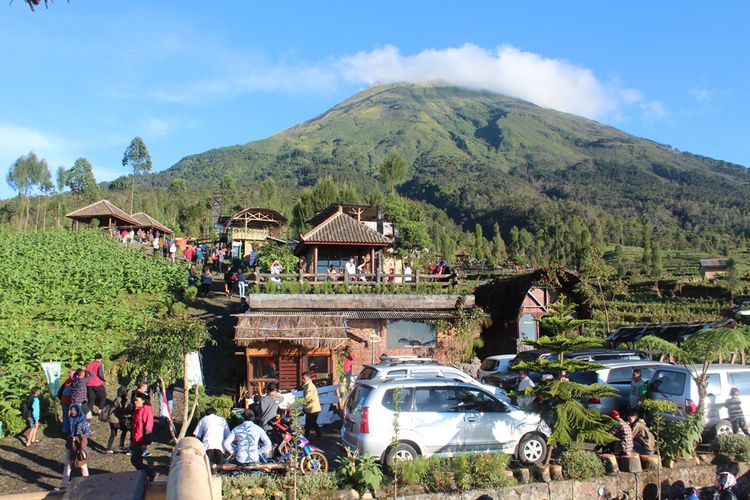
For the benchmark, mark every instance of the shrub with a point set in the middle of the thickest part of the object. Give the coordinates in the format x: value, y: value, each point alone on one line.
x: 190, y: 293
x: 463, y: 472
x: 581, y: 464
x: 735, y: 446
x: 247, y: 485
x: 362, y: 473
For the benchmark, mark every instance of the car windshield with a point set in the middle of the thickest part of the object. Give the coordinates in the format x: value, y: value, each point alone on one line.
x: 367, y: 373
x: 489, y: 364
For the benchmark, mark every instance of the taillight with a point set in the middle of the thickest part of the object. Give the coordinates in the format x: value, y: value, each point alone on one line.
x: 595, y: 401
x: 690, y: 407
x: 364, y: 421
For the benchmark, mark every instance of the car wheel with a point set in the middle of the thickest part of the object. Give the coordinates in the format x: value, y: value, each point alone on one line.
x: 532, y: 449
x: 723, y: 427
x: 400, y: 452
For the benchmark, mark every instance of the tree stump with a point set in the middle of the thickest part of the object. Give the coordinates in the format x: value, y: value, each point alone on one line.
x: 610, y: 463
x: 541, y: 472
x: 523, y: 475
x: 649, y: 462
x: 629, y: 463
x: 555, y: 472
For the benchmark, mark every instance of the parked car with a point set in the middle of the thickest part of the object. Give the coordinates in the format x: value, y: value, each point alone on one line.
x: 509, y: 382
x: 675, y: 384
x: 493, y: 365
x: 438, y: 417
x: 616, y: 373
x: 420, y: 367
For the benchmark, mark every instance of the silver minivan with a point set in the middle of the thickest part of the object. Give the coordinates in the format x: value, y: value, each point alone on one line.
x: 438, y: 417
x: 675, y: 384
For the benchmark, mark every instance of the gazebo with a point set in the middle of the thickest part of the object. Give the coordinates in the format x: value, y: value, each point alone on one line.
x: 105, y: 212
x: 145, y: 221
x: 248, y: 229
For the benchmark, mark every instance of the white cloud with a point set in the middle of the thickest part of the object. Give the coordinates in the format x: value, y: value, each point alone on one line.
x: 702, y: 95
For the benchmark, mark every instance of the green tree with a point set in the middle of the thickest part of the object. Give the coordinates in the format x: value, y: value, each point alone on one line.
x: 80, y: 179
x: 122, y: 183
x: 559, y: 400
x: 136, y: 157
x: 312, y: 201
x: 393, y: 169
x: 697, y: 353
x: 479, y: 252
x: 732, y: 278
x: 162, y: 350
x: 60, y: 179
x: 177, y: 191
x: 26, y: 173
x: 409, y: 222
x: 499, y: 254
x: 269, y: 194
x: 515, y: 244
x: 657, y: 267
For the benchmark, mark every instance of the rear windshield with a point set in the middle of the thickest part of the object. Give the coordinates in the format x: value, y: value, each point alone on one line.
x: 586, y: 378
x: 367, y: 373
x: 489, y: 364
x: 358, y: 397
x: 671, y: 383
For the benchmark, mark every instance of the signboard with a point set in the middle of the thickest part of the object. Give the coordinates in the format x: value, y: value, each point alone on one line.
x: 52, y: 371
x: 194, y: 369
x: 254, y: 234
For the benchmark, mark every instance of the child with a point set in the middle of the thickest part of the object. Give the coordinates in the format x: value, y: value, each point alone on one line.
x: 734, y: 408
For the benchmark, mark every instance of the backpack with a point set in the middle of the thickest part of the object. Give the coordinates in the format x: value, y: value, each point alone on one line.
x: 105, y: 412
x: 26, y: 409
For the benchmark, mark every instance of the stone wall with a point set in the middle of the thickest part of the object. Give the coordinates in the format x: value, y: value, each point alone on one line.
x: 641, y: 485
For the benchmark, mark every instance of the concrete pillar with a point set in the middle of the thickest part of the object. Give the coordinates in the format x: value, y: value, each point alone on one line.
x: 190, y: 473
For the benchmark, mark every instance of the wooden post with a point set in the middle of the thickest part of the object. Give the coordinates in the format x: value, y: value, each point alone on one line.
x: 315, y: 262
x: 247, y: 371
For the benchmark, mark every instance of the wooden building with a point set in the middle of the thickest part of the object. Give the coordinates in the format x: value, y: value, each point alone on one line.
x: 148, y: 223
x: 339, y: 236
x: 105, y: 213
x: 713, y: 268
x: 516, y: 303
x: 285, y: 335
x: 249, y: 229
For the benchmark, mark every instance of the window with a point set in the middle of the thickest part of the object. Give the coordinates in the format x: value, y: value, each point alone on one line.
x: 265, y: 367
x: 474, y: 400
x: 625, y: 375
x: 489, y: 364
x: 396, y: 373
x: 585, y: 378
x: 358, y: 397
x: 319, y: 365
x: 436, y: 399
x: 410, y: 334
x: 740, y: 380
x: 668, y: 382
x: 714, y: 384
x: 404, y: 404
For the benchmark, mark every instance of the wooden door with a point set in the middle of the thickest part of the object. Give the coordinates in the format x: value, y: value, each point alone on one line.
x: 288, y: 372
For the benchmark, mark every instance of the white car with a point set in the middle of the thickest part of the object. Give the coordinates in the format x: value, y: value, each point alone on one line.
x: 493, y: 365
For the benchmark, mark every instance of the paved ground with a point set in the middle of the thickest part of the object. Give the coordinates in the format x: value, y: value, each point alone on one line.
x: 40, y: 466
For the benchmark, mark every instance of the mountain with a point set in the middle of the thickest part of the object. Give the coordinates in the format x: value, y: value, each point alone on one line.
x: 482, y: 157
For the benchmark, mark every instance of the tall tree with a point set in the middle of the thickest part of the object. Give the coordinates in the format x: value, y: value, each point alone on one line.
x: 478, y: 243
x: 62, y: 173
x: 311, y: 201
x: 499, y: 253
x: 393, y: 169
x: 269, y: 194
x: 26, y: 173
x: 657, y: 267
x: 136, y: 156
x: 80, y: 179
x: 44, y: 183
x: 177, y: 190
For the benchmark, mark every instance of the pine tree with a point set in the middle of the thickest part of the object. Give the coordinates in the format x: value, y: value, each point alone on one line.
x: 514, y: 241
x: 499, y: 253
x: 478, y: 243
x: 657, y: 268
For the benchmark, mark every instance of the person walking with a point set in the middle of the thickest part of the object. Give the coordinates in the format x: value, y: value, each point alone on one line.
x: 212, y: 430
x: 96, y: 393
x: 734, y: 409
x: 229, y: 278
x: 76, y: 453
x: 117, y: 423
x: 32, y: 412
x: 78, y: 393
x: 241, y: 282
x: 140, y: 435
x: 206, y: 280
x: 312, y: 406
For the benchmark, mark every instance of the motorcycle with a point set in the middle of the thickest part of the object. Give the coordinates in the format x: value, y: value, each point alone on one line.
x: 311, y: 459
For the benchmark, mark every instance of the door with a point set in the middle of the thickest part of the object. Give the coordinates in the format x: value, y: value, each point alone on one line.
x: 437, y: 420
x: 288, y: 372
x: 487, y: 423
x: 527, y: 327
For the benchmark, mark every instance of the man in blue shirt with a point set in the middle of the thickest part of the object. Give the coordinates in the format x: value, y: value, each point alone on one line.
x: 247, y: 436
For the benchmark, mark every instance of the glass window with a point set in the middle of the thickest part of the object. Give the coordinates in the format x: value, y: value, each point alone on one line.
x: 625, y: 375
x: 358, y: 397
x: 436, y: 399
x: 265, y: 367
x: 396, y: 373
x: 410, y: 334
x: 714, y: 384
x: 405, y: 403
x: 586, y: 378
x: 424, y: 373
x: 489, y: 364
x: 668, y: 382
x: 740, y: 380
x: 319, y: 366
x: 471, y: 400
x: 367, y: 373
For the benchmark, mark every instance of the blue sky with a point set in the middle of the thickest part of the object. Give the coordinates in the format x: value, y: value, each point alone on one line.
x: 83, y: 78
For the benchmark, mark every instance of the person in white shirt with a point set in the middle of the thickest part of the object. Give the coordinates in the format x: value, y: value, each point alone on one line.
x: 407, y: 273
x: 276, y: 269
x: 247, y: 436
x: 524, y: 402
x: 351, y: 270
x: 213, y: 430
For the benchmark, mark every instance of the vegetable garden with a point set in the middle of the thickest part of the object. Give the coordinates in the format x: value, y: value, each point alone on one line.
x: 65, y: 296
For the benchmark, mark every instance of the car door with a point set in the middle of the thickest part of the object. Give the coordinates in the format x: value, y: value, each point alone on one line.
x: 488, y: 425
x: 437, y: 419
x: 670, y: 385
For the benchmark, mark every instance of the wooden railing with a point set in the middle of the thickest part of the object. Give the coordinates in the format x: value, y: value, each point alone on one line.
x: 359, y: 279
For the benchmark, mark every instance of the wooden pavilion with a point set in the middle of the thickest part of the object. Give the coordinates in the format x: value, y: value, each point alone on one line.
x: 338, y: 238
x: 248, y: 229
x: 145, y: 221
x: 105, y: 212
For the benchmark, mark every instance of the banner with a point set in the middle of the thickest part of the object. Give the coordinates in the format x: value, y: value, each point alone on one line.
x: 52, y: 371
x: 194, y: 370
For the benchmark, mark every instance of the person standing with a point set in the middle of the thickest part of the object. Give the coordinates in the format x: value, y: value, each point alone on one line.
x: 734, y: 409
x: 524, y: 402
x: 172, y: 251
x: 243, y: 441
x: 155, y: 245
x: 32, y: 412
x: 140, y: 435
x: 275, y: 270
x: 212, y: 430
x: 76, y: 444
x: 312, y: 405
x: 269, y: 405
x: 117, y: 422
x: 347, y: 366
x: 206, y: 280
x: 95, y: 390
x: 63, y: 395
x: 78, y: 393
x: 407, y: 273
x: 241, y: 282
x: 637, y: 389
x: 350, y: 270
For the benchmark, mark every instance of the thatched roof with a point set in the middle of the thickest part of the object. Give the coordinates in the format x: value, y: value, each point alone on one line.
x: 310, y: 331
x: 104, y: 211
x: 147, y: 222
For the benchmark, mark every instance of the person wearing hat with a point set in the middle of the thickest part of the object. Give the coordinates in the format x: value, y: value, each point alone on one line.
x: 624, y: 434
x: 243, y: 441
